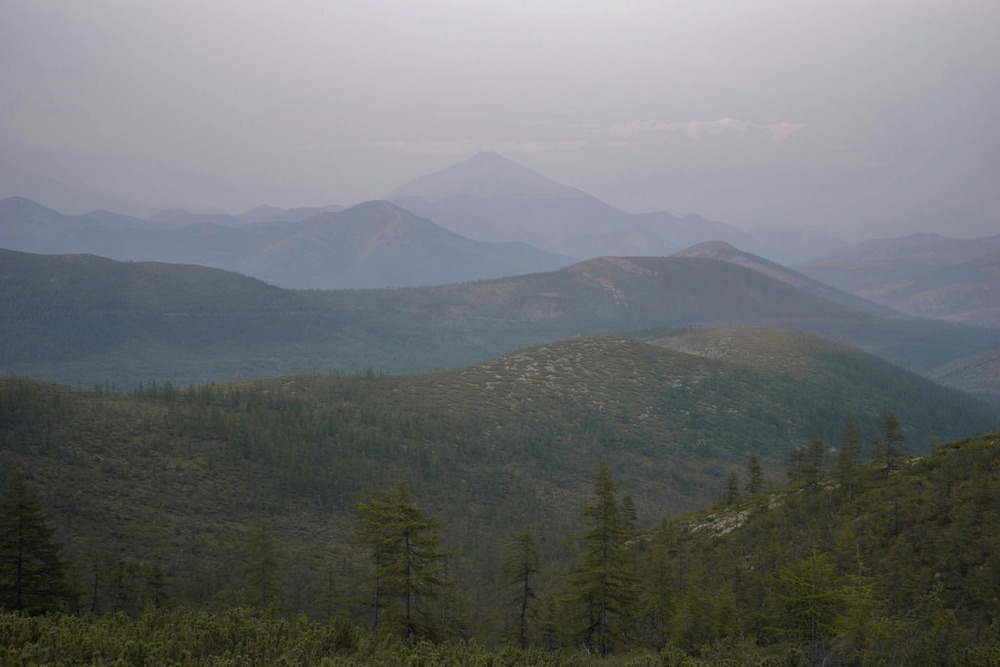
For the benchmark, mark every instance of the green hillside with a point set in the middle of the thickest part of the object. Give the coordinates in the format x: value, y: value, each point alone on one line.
x: 82, y: 320
x: 844, y: 566
x: 182, y: 479
x: 851, y: 567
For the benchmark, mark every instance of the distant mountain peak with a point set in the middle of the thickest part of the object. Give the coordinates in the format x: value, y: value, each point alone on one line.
x: 21, y: 204
x: 711, y: 249
x: 485, y: 175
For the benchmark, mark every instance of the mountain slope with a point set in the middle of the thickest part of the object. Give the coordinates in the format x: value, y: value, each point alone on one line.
x: 722, y: 251
x: 180, y: 477
x: 966, y: 292
x: 380, y: 244
x: 976, y: 374
x: 485, y: 175
x: 853, y: 566
x: 374, y: 244
x: 492, y: 198
x: 878, y: 262
x: 926, y: 275
x: 89, y: 320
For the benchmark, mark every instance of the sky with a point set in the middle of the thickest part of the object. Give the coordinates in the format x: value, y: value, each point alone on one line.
x: 854, y: 117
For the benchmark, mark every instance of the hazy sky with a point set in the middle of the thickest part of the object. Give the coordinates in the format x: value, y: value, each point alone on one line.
x: 853, y: 116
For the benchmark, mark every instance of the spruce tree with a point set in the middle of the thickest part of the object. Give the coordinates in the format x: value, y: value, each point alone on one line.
x: 603, y: 583
x: 32, y: 572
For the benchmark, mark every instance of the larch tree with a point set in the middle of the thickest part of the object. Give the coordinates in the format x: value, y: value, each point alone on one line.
x: 32, y: 571
x: 889, y: 444
x: 849, y: 455
x: 520, y: 567
x: 604, y: 583
x: 262, y: 570
x: 754, y: 483
x: 405, y: 548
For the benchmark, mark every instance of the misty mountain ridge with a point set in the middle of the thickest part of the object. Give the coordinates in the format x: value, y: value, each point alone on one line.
x: 17, y: 182
x: 492, y: 198
x: 85, y: 319
x: 485, y: 175
x: 926, y: 275
x: 374, y: 244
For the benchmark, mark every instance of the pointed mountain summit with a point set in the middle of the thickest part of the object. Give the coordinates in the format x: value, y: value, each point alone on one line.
x: 491, y: 198
x: 485, y: 175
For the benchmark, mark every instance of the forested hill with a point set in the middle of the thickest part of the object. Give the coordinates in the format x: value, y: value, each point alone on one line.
x: 83, y: 320
x: 849, y: 564
x: 180, y: 477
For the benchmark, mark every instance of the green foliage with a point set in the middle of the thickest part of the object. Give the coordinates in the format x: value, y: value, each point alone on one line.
x: 898, y: 569
x: 155, y: 494
x: 32, y: 571
x: 754, y: 482
x: 521, y: 567
x: 262, y: 572
x: 603, y: 584
x: 404, y: 548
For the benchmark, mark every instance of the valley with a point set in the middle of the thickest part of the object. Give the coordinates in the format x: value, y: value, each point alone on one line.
x: 203, y: 440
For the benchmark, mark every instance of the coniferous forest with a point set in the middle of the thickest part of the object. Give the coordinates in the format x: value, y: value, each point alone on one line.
x: 542, y: 333
x: 412, y: 520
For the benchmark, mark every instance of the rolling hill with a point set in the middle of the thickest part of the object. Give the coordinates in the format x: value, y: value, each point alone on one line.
x: 181, y: 477
x: 85, y: 320
x: 974, y: 373
x: 724, y: 252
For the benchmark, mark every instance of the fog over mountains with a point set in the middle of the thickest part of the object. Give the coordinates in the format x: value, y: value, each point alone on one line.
x: 374, y: 244
x: 482, y: 218
x: 492, y: 198
x: 488, y: 217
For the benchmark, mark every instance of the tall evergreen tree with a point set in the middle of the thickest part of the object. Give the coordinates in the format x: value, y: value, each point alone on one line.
x: 731, y: 493
x: 603, y: 582
x: 849, y: 455
x: 405, y: 548
x: 520, y: 568
x: 32, y: 571
x: 806, y: 464
x: 262, y: 571
x: 755, y: 476
x: 891, y: 442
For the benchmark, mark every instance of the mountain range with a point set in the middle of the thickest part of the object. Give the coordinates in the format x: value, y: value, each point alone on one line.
x: 492, y: 198
x: 381, y: 244
x: 927, y: 275
x: 87, y: 320
x: 375, y: 244
x: 492, y: 208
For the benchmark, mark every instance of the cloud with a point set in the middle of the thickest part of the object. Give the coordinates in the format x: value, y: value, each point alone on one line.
x: 780, y: 131
x: 698, y: 129
x: 469, y: 146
